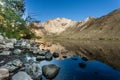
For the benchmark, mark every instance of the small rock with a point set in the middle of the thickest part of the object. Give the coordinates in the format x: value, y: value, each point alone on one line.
x: 21, y: 76
x: 84, y: 59
x: 2, y: 46
x: 13, y: 40
x: 36, y: 51
x: 23, y: 43
x: 16, y: 46
x: 17, y: 51
x: 4, y: 73
x: 34, y: 48
x: 28, y: 46
x: 34, y: 70
x: 10, y: 40
x: 9, y: 45
x: 1, y: 37
x: 55, y: 55
x: 64, y: 56
x: 48, y: 56
x: 2, y: 42
x: 5, y: 37
x: 40, y: 58
x: 30, y: 58
x: 50, y: 71
x: 82, y: 65
x: 42, y: 52
x: 5, y: 53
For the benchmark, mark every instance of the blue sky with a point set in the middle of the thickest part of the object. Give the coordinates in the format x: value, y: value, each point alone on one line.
x: 78, y: 10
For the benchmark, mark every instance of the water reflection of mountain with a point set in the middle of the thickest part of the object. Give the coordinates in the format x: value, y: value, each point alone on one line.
x: 105, y: 51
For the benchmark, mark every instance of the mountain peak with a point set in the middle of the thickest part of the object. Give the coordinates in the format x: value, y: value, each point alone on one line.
x: 60, y: 20
x: 58, y: 25
x: 89, y: 18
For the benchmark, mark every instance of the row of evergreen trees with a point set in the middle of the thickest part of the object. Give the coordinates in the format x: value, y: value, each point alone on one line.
x: 13, y: 25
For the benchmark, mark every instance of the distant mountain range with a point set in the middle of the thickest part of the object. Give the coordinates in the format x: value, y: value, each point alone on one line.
x: 106, y: 27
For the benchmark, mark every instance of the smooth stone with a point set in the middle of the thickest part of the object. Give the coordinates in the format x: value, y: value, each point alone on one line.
x: 11, y: 40
x: 16, y: 46
x: 50, y: 71
x: 4, y: 73
x: 36, y: 51
x: 21, y: 76
x: 55, y: 55
x: 13, y: 65
x: 28, y: 46
x: 42, y: 52
x: 17, y: 51
x: 1, y: 37
x: 30, y: 58
x: 34, y: 70
x: 6, y: 53
x: 39, y: 58
x: 2, y: 46
x: 48, y: 56
x: 9, y: 45
x: 2, y: 42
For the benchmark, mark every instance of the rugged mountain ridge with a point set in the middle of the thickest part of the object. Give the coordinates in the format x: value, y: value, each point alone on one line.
x: 105, y: 27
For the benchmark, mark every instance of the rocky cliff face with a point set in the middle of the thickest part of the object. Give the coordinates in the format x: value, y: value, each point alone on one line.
x: 105, y: 27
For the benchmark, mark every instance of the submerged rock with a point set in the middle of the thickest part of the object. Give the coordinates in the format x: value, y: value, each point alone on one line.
x: 64, y: 56
x: 55, y: 55
x: 84, y: 59
x: 21, y: 76
x: 48, y: 56
x: 4, y: 73
x: 82, y: 65
x: 50, y: 71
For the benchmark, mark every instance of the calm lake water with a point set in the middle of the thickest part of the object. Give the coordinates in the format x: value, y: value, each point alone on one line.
x: 103, y: 59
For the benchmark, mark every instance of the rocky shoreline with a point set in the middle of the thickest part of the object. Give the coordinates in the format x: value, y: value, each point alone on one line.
x: 13, y: 67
